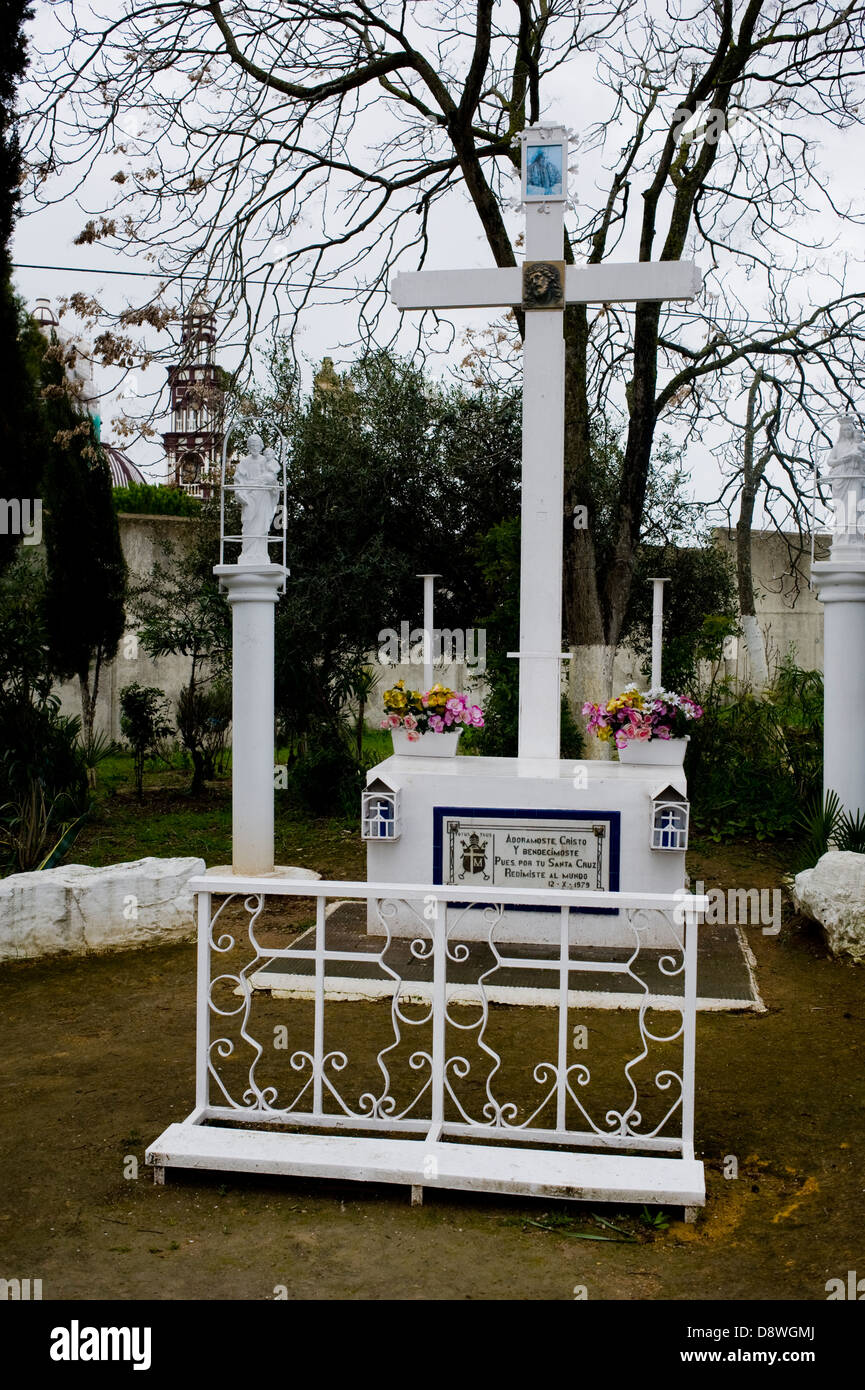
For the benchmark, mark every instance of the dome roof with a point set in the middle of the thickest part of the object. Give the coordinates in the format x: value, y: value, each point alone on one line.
x: 123, y: 470
x: 45, y: 315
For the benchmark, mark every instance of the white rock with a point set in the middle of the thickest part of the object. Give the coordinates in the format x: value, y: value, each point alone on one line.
x: 78, y: 909
x: 833, y: 893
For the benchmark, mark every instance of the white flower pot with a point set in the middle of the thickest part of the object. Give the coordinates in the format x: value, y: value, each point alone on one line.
x: 664, y: 752
x: 427, y: 745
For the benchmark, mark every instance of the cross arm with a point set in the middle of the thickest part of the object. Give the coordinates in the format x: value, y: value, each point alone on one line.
x: 627, y: 282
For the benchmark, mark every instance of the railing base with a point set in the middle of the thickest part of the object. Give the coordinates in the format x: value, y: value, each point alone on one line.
x: 545, y: 1173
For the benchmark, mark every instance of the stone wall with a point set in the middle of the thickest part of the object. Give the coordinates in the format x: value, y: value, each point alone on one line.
x: 141, y: 538
x: 788, y: 612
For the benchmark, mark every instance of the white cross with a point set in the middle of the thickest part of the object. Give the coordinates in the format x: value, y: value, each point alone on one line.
x: 543, y: 409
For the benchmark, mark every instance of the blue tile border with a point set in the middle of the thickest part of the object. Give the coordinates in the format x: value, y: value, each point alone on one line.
x: 613, y: 819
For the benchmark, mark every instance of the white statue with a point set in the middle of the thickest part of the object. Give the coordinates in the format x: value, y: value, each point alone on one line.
x: 846, y: 476
x: 256, y: 481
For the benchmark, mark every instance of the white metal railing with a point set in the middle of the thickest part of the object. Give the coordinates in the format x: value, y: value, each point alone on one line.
x: 438, y: 1072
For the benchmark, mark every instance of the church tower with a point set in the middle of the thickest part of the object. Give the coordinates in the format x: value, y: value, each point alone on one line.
x: 194, y: 442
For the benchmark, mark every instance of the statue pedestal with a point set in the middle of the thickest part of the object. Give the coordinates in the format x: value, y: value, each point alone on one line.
x: 252, y: 591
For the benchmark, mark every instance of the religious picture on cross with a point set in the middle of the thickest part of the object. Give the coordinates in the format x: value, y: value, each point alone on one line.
x: 543, y: 174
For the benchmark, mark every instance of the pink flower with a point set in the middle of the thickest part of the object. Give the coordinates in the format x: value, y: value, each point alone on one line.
x: 410, y: 722
x: 385, y: 724
x: 436, y: 723
x: 449, y: 719
x: 394, y: 721
x: 412, y: 737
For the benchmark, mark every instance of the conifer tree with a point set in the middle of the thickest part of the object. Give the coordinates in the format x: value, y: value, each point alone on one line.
x: 19, y: 406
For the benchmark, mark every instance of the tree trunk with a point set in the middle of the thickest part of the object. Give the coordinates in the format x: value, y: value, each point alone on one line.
x: 581, y: 605
x: 359, y: 731
x: 197, y: 785
x: 754, y: 639
x: 88, y: 710
x: 755, y: 642
x: 591, y: 679
x: 635, y: 469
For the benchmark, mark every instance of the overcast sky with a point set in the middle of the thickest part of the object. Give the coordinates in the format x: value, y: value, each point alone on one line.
x: 46, y: 238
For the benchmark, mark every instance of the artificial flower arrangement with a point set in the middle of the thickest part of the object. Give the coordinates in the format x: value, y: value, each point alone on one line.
x: 640, y: 715
x: 435, y: 711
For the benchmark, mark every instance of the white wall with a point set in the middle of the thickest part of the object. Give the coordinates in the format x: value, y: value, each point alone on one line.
x: 789, y: 615
x: 141, y: 537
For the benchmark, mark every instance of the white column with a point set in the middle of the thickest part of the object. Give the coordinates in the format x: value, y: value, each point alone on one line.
x: 542, y: 502
x: 252, y: 591
x: 657, y: 629
x: 840, y: 587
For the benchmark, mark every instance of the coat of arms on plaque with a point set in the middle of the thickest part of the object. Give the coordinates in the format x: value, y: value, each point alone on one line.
x: 471, y: 850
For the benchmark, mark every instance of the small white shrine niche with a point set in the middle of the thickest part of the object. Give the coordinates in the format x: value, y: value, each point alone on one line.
x: 380, y: 811
x: 670, y: 813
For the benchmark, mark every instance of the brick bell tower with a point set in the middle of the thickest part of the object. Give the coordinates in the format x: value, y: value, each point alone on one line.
x: 193, y: 444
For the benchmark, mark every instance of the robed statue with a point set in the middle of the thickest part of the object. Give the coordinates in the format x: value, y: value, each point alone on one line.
x: 256, y: 487
x: 846, y: 476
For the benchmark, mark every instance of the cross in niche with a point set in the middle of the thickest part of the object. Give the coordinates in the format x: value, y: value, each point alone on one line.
x: 543, y: 285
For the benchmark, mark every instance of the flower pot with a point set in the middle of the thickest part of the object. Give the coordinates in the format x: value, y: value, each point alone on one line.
x: 664, y: 752
x: 427, y: 745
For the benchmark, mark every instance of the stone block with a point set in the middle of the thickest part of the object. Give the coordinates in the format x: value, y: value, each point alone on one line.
x: 833, y: 894
x: 76, y: 909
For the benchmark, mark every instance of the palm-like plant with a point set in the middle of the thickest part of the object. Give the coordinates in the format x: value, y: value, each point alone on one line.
x: 359, y: 686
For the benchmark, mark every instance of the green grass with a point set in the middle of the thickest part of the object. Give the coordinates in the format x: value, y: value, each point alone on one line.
x: 169, y: 822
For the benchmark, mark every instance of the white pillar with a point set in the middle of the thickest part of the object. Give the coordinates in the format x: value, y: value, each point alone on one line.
x: 542, y: 507
x: 428, y: 599
x: 840, y: 587
x: 657, y: 629
x: 252, y: 591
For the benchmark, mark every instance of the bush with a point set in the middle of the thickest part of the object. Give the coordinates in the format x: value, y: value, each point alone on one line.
x: 753, y: 764
x: 143, y: 725
x: 824, y: 824
x: 151, y: 500
x: 326, y: 780
x: 43, y: 782
x: 203, y: 717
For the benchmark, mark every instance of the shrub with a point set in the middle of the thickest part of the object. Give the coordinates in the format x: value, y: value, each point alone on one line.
x: 203, y: 718
x: 753, y: 763
x: 326, y: 780
x: 143, y: 725
x: 152, y: 500
x: 43, y: 782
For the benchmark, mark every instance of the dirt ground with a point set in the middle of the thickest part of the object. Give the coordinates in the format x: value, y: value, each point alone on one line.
x: 97, y: 1059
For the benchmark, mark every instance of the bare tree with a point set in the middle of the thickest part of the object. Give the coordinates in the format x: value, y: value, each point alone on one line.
x: 283, y: 151
x: 792, y: 394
